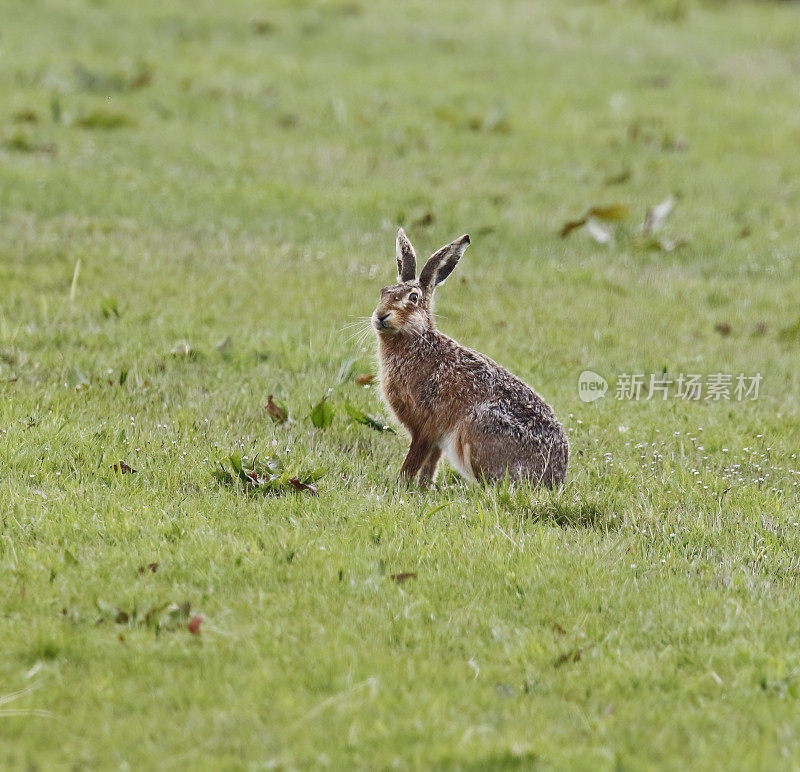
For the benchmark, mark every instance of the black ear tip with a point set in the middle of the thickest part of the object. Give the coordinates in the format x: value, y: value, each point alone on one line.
x: 466, y: 239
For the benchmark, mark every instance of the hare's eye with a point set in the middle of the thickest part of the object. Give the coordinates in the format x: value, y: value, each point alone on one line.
x: 413, y: 297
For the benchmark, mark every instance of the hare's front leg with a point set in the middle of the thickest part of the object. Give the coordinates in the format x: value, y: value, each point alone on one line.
x: 428, y: 470
x: 417, y: 455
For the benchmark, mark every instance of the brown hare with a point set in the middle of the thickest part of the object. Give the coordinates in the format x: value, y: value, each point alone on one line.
x: 455, y: 400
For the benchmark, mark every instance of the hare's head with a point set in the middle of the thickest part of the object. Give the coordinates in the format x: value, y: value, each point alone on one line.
x: 407, y: 307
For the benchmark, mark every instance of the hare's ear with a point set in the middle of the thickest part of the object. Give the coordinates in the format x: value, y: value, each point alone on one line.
x: 441, y: 263
x: 406, y: 258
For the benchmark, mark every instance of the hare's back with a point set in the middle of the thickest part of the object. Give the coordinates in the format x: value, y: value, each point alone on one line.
x: 519, y: 413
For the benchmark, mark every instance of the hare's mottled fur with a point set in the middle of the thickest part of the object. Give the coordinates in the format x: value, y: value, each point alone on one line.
x: 488, y: 422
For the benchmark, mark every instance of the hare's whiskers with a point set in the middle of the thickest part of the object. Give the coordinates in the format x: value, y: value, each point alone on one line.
x: 359, y: 331
x: 357, y: 323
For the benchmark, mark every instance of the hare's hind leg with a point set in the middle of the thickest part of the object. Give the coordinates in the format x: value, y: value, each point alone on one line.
x: 483, y: 457
x: 497, y: 456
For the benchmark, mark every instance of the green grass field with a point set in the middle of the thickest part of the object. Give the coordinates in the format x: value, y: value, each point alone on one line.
x: 198, y: 204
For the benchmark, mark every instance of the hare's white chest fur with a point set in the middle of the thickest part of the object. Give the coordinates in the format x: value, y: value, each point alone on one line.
x: 459, y: 459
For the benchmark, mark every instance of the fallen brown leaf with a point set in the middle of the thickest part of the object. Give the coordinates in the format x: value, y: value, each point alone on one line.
x: 723, y: 328
x: 364, y: 379
x: 426, y: 220
x: 194, y: 624
x: 403, y: 576
x: 26, y: 116
x: 151, y: 567
x: 573, y: 655
x: 619, y: 178
x: 301, y: 486
x: 123, y: 468
x: 262, y: 26
x: 571, y: 225
x: 277, y: 412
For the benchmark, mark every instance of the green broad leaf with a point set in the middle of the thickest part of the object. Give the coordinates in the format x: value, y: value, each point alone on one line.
x: 152, y: 616
x: 105, y: 120
x: 359, y: 416
x: 55, y: 108
x: 109, y: 307
x: 791, y: 333
x: 608, y: 212
x: 313, y: 476
x: 238, y: 467
x: 322, y: 414
x: 174, y: 616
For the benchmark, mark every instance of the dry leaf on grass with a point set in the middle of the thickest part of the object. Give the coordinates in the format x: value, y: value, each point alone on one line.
x: 277, y: 411
x: 303, y: 486
x: 265, y: 476
x: 402, y: 577
x: 573, y: 655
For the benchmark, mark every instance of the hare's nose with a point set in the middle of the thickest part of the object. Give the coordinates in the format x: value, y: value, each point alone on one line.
x: 382, y: 320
